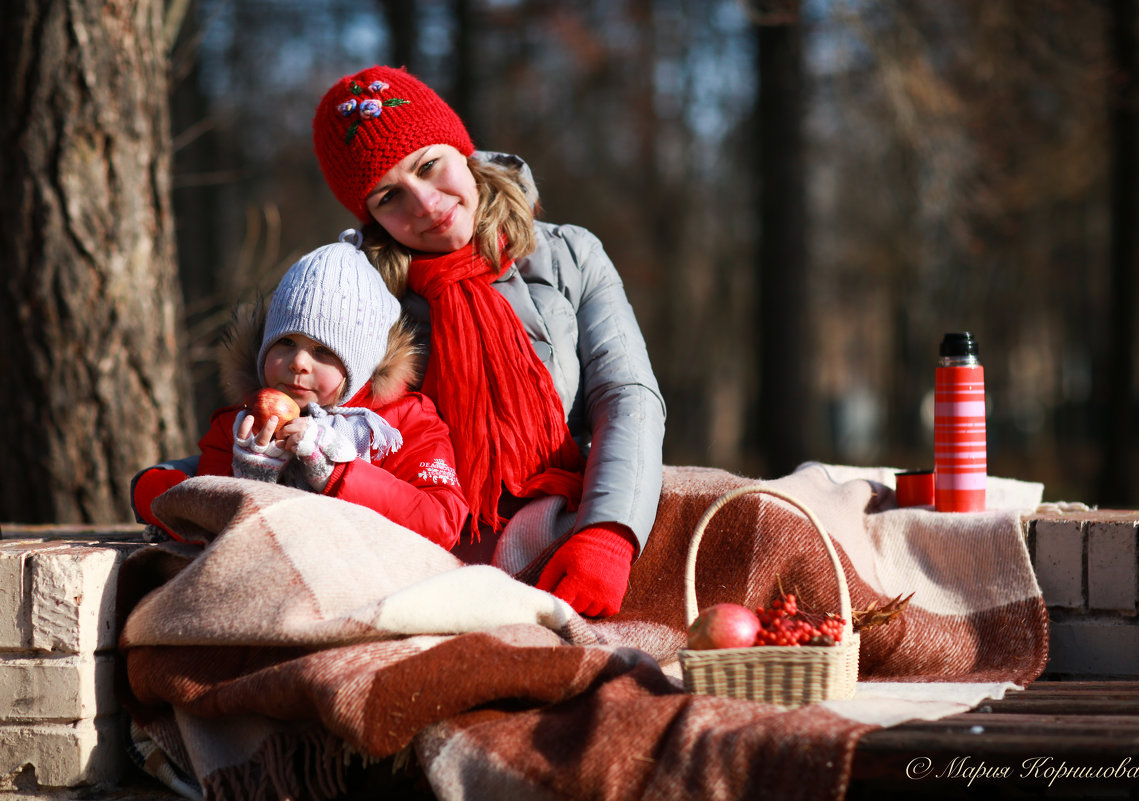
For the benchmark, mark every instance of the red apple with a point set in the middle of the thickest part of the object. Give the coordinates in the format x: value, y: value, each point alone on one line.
x: 723, y: 626
x: 266, y: 402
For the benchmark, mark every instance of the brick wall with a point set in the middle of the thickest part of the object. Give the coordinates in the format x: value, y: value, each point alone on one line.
x: 59, y: 721
x: 1087, y: 565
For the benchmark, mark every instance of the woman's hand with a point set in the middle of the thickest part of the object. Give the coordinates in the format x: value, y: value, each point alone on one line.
x: 590, y: 571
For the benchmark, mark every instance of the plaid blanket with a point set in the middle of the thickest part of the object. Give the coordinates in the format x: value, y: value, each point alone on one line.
x: 313, y: 647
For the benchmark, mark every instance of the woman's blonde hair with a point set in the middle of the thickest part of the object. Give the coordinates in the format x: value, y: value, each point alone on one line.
x: 504, y: 216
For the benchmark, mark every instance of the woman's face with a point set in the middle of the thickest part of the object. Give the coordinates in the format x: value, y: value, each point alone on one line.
x: 428, y: 201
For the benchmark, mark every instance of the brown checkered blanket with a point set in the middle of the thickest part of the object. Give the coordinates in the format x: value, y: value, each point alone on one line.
x: 314, y: 647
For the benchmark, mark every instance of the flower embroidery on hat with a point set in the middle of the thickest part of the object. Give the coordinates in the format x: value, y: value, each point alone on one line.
x: 366, y: 108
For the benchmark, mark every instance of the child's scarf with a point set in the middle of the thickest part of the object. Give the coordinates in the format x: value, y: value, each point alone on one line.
x: 506, y: 419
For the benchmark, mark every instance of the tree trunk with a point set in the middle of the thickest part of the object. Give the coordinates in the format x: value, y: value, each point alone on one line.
x: 400, y: 16
x: 464, y: 80
x: 1116, y: 481
x: 197, y: 195
x: 90, y: 367
x: 783, y: 347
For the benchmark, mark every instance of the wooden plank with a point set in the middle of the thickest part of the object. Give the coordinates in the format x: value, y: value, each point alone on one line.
x: 911, y: 767
x: 1053, y: 740
x: 936, y: 776
x: 998, y: 721
x: 1086, y: 704
x: 1126, y: 686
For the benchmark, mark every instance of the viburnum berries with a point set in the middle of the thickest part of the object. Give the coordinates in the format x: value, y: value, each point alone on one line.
x: 785, y: 624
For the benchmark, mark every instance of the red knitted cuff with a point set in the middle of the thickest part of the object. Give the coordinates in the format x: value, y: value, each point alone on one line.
x: 611, y: 537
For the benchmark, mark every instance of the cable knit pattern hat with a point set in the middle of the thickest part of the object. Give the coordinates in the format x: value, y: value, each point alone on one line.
x: 369, y: 122
x: 335, y: 296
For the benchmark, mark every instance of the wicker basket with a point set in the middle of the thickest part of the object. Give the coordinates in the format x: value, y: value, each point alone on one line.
x: 774, y: 674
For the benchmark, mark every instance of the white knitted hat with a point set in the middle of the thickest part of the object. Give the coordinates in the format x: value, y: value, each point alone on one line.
x: 335, y: 296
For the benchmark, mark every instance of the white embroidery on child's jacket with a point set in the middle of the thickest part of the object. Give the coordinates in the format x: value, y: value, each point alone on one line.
x: 438, y: 471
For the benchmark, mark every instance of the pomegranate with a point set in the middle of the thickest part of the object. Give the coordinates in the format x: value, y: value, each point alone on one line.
x: 723, y: 626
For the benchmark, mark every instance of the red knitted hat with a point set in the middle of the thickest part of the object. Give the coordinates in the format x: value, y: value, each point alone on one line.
x: 368, y: 122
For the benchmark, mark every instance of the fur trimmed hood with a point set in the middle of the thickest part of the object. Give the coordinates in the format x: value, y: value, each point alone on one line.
x: 399, y: 371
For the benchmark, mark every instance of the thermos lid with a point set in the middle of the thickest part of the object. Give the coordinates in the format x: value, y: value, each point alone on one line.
x: 959, y: 343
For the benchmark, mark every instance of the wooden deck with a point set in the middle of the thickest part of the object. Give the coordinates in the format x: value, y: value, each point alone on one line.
x: 1057, y: 739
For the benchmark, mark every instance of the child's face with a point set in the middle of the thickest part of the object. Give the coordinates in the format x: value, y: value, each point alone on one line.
x: 305, y: 370
x: 428, y: 201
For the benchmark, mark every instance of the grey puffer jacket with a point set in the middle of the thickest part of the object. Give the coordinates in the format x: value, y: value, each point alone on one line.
x: 572, y: 304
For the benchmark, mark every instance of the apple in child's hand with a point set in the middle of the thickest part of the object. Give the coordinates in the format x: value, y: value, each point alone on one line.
x: 266, y: 402
x: 723, y: 626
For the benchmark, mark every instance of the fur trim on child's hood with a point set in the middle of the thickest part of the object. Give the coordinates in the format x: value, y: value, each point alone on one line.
x: 397, y: 372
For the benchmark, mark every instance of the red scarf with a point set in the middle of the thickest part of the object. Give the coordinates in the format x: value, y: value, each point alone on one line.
x: 506, y: 419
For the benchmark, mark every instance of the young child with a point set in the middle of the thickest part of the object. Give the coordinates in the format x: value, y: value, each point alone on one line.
x: 332, y: 340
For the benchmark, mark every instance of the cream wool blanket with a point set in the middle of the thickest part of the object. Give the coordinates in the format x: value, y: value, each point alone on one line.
x: 312, y: 636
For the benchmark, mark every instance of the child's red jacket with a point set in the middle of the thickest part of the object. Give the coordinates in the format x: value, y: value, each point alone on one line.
x: 414, y: 486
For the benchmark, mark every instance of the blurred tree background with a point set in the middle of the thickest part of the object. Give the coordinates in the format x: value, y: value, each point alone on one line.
x: 801, y: 198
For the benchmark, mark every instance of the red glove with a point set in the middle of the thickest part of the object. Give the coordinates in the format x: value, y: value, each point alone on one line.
x: 591, y: 571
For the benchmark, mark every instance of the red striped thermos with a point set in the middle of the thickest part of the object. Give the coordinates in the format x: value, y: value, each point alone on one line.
x: 959, y: 457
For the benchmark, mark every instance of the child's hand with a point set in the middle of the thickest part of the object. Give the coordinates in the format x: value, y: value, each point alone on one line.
x: 318, y: 447
x: 258, y: 458
x: 245, y: 424
x: 291, y: 434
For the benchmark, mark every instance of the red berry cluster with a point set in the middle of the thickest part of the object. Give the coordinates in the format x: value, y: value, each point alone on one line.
x: 785, y: 624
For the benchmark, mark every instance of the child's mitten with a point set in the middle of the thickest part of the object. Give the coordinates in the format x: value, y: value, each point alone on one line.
x: 321, y: 448
x: 258, y: 462
x: 147, y: 486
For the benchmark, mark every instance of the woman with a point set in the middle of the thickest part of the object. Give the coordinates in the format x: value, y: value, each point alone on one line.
x: 535, y: 358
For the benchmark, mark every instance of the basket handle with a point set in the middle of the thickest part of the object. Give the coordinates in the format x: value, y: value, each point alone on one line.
x: 690, y: 565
